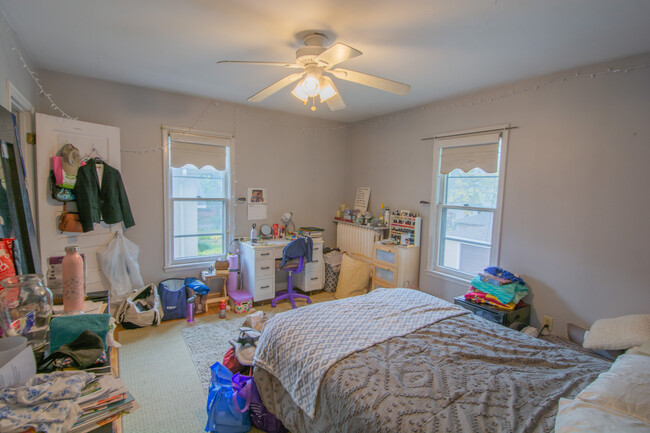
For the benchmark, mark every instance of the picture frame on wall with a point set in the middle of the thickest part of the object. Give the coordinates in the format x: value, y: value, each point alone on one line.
x: 257, y: 195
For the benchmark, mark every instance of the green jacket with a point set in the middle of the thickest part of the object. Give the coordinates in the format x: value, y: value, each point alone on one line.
x: 109, y: 203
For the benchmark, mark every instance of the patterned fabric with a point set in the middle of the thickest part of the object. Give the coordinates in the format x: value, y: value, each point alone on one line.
x: 46, y: 402
x: 331, y: 277
x: 463, y: 374
x: 299, y: 346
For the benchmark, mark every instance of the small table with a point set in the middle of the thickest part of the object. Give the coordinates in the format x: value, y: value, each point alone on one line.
x: 215, y: 298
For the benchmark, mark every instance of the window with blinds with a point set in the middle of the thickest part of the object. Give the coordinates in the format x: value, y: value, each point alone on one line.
x: 198, y: 186
x: 469, y: 191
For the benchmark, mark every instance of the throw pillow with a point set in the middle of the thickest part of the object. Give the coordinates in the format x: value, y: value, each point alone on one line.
x: 618, y: 333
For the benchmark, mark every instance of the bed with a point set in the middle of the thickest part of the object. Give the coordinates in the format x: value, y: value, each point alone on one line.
x: 436, y: 368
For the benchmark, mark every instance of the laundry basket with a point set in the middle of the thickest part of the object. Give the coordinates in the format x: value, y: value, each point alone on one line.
x: 332, y: 270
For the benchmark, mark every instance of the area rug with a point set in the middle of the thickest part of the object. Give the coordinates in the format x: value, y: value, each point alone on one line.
x: 209, y: 343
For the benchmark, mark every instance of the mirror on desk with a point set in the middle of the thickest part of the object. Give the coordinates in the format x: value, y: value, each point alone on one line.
x: 15, y: 212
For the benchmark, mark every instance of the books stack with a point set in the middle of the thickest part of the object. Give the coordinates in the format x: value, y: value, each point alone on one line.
x: 103, y: 400
x: 312, y: 232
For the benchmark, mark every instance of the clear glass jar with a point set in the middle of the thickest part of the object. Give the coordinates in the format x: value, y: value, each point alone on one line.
x: 26, y: 307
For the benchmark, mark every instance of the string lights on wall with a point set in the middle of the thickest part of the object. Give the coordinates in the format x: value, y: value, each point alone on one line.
x: 14, y: 48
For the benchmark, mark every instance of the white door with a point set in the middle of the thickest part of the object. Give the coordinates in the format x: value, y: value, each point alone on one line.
x: 91, y: 140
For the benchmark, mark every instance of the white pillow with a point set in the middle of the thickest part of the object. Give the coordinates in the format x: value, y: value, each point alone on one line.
x: 619, y: 333
x: 618, y: 401
x: 576, y: 416
x: 625, y: 387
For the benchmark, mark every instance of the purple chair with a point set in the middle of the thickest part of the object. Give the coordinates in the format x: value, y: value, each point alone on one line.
x: 289, y: 293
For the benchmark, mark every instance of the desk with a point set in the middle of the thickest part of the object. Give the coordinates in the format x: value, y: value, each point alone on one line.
x: 260, y: 278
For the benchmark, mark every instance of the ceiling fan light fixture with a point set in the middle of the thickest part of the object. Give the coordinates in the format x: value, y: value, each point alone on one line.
x: 310, y: 85
x: 327, y: 89
x: 299, y: 93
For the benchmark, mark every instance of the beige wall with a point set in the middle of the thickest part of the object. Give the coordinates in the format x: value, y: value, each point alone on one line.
x: 302, y: 162
x: 575, y: 218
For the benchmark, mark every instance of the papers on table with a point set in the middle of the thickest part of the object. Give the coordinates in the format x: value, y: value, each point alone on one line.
x: 103, y: 400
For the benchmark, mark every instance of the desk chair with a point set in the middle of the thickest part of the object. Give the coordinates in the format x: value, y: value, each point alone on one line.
x: 292, y: 268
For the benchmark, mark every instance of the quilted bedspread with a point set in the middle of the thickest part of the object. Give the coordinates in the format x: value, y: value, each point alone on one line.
x: 461, y: 374
x: 299, y: 346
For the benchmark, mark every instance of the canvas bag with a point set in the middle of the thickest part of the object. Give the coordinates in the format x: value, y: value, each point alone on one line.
x: 173, y: 298
x: 141, y: 308
x: 354, y: 278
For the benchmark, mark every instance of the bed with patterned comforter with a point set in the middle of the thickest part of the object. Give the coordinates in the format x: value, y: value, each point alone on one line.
x: 444, y: 371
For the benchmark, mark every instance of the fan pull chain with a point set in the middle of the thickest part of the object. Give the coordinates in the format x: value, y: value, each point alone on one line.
x: 313, y: 104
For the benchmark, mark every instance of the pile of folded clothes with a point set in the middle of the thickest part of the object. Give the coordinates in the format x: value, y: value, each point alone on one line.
x: 497, y: 288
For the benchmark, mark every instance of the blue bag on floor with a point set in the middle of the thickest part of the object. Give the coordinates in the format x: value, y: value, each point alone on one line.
x: 223, y: 417
x: 173, y: 298
x: 196, y: 285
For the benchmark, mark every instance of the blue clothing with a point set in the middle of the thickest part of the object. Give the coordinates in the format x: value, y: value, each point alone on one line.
x: 301, y: 247
x: 502, y: 273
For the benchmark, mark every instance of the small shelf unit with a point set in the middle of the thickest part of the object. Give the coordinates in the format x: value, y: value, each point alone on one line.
x: 405, y: 228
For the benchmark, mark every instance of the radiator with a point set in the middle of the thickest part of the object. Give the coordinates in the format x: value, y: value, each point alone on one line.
x: 356, y: 239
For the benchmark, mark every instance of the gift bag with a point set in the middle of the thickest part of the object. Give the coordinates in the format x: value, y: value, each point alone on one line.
x: 244, y: 388
x: 223, y: 416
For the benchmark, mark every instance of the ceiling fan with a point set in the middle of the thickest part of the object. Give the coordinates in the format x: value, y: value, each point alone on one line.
x: 316, y: 60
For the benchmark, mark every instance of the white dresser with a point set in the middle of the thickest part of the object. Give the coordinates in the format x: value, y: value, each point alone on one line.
x: 260, y: 278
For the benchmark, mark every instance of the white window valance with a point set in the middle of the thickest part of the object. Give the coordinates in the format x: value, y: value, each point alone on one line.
x: 198, y: 151
x: 468, y: 152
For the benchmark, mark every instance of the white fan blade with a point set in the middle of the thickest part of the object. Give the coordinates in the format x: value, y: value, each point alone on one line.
x: 336, y: 54
x: 371, y: 80
x: 335, y: 102
x: 278, y: 85
x: 284, y: 64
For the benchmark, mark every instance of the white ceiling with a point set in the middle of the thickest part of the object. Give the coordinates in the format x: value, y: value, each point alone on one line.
x: 440, y: 47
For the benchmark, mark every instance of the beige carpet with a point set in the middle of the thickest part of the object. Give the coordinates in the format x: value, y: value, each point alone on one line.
x: 157, y: 367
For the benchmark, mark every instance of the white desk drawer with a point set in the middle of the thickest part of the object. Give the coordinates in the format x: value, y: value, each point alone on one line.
x: 311, y: 278
x: 314, y: 281
x: 315, y: 261
x: 264, y: 253
x: 264, y: 267
x: 263, y: 289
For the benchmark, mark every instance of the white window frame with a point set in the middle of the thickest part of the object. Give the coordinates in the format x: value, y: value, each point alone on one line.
x: 218, y: 139
x: 437, y: 194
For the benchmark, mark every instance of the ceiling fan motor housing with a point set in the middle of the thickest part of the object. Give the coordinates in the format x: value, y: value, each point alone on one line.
x: 314, y: 46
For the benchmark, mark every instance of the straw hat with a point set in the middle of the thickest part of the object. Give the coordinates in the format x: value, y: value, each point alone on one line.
x: 71, y: 158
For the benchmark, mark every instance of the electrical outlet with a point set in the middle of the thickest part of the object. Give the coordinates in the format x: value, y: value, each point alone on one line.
x: 548, y: 320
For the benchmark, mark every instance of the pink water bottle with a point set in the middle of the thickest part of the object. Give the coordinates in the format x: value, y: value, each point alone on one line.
x: 72, y: 267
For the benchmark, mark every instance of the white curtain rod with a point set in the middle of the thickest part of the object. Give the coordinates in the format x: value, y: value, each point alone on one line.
x: 470, y: 133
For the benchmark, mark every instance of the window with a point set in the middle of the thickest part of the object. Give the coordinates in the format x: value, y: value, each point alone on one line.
x: 468, y: 190
x: 198, y: 214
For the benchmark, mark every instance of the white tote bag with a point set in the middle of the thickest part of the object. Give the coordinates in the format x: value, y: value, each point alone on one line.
x: 141, y: 308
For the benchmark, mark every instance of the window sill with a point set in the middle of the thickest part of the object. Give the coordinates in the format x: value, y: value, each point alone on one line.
x: 448, y: 277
